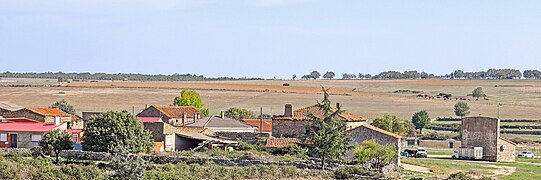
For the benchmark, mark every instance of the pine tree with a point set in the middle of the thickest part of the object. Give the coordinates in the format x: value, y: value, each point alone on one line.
x: 326, y: 136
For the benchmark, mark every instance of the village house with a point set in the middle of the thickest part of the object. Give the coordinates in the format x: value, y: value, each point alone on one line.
x: 46, y: 115
x: 292, y: 123
x: 485, y: 132
x: 24, y: 132
x: 174, y: 115
x: 368, y: 132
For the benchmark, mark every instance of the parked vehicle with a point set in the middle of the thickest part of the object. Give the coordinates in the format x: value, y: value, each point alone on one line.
x: 526, y: 154
x: 421, y: 153
x: 470, y: 153
x: 454, y: 155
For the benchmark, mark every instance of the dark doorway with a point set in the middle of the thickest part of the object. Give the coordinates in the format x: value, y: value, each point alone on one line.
x: 13, y: 140
x: 451, y: 144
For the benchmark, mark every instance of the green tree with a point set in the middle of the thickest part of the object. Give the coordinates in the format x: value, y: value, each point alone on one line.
x: 64, y: 106
x: 329, y: 75
x: 239, y: 114
x: 326, y: 136
x: 393, y: 124
x: 420, y: 120
x: 478, y: 92
x: 112, y: 131
x: 56, y: 141
x: 126, y: 166
x: 315, y: 74
x: 190, y: 98
x: 375, y: 155
x: 462, y: 109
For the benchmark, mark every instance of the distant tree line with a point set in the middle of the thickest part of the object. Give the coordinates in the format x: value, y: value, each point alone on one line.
x: 61, y: 76
x: 457, y: 74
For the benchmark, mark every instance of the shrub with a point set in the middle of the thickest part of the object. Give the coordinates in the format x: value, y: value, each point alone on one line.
x: 356, y: 172
x: 128, y: 167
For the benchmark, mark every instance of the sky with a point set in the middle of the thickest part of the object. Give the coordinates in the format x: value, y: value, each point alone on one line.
x: 268, y: 38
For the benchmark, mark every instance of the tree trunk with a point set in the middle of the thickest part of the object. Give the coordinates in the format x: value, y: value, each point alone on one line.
x: 57, y: 153
x: 323, y: 163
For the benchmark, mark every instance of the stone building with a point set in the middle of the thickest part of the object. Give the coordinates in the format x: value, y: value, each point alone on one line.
x: 174, y: 115
x: 292, y: 123
x: 24, y: 132
x: 485, y: 132
x: 368, y: 132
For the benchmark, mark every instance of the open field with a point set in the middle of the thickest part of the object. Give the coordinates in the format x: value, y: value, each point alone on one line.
x: 521, y: 99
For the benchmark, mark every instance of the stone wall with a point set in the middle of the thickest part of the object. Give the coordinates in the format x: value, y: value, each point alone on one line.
x: 482, y: 132
x: 288, y: 128
x: 23, y: 139
x: 24, y: 113
x: 506, y: 151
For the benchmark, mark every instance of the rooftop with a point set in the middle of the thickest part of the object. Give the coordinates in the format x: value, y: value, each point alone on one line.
x: 178, y: 111
x: 50, y: 112
x: 27, y: 127
x: 267, y: 124
x: 219, y: 122
x: 302, y: 115
x: 281, y: 142
x: 10, y: 107
x: 381, y: 131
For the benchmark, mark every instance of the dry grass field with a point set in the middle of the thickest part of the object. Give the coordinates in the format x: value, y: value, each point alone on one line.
x: 520, y: 99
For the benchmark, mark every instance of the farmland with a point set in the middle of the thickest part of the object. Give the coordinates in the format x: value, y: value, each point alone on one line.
x: 520, y: 99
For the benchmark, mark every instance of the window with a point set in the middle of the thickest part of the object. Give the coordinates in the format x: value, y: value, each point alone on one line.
x: 75, y: 137
x: 3, y: 137
x: 35, y: 138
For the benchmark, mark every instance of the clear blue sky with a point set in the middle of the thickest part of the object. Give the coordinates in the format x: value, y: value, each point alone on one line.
x: 266, y: 38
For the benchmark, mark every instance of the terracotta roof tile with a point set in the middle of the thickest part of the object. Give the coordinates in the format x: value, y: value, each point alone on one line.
x: 204, y: 131
x: 178, y: 111
x: 50, y: 112
x: 281, y: 142
x: 267, y: 124
x: 382, y: 131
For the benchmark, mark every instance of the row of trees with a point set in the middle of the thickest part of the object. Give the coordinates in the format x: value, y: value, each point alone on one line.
x: 458, y: 74
x: 61, y: 76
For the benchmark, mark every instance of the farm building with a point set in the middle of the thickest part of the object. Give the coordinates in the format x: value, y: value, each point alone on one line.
x: 174, y: 115
x: 223, y: 124
x: 169, y: 138
x: 380, y: 136
x: 24, y: 132
x: 292, y: 123
x: 6, y: 108
x: 485, y: 132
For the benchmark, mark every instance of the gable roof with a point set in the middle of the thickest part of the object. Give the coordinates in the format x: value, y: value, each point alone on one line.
x: 374, y: 128
x: 10, y: 107
x: 267, y: 124
x: 219, y: 122
x: 50, y: 112
x: 281, y: 142
x: 177, y: 111
x: 507, y: 140
x: 301, y: 115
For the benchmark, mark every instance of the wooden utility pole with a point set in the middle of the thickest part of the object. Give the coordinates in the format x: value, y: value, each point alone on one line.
x: 261, y: 120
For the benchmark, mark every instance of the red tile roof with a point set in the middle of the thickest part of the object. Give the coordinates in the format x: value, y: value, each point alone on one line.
x: 50, y: 112
x: 20, y: 120
x: 149, y: 119
x: 267, y: 124
x: 301, y: 115
x: 281, y: 142
x: 382, y: 131
x: 27, y: 127
x: 76, y: 130
x: 178, y: 111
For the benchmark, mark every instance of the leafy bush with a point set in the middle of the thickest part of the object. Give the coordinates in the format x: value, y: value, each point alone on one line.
x: 374, y: 155
x: 128, y: 167
x: 354, y: 172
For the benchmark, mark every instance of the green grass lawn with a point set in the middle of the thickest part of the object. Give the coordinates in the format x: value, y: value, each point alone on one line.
x: 449, y: 166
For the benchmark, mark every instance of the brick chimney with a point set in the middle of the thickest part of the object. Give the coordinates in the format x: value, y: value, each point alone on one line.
x: 288, y: 112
